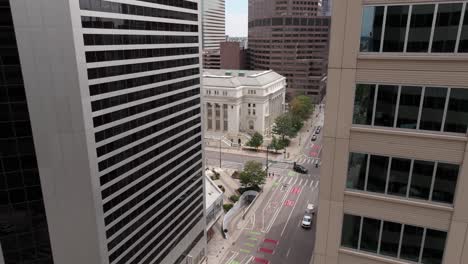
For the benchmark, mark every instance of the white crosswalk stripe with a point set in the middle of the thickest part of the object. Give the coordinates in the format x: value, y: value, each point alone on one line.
x: 305, y: 184
x: 311, y: 183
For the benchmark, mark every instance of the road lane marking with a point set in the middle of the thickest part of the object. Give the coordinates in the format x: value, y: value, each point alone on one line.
x: 245, y: 251
x: 300, y: 181
x: 265, y: 250
x: 289, y: 217
x: 234, y: 262
x: 290, y: 180
x: 289, y: 203
x: 249, y: 244
x: 281, y: 179
x: 253, y: 238
x: 305, y: 184
x: 295, y: 181
x: 272, y: 241
x: 248, y: 260
x: 260, y: 260
x: 232, y: 257
x: 255, y: 233
x: 316, y: 184
x: 275, y: 215
x: 311, y: 182
x: 287, y: 254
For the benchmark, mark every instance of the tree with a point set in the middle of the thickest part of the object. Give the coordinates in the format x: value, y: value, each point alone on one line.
x: 274, y: 144
x: 253, y: 174
x: 256, y: 140
x: 296, y: 122
x: 302, y: 106
x: 284, y: 126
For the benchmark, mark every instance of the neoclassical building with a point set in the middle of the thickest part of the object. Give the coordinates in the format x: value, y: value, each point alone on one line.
x: 237, y: 102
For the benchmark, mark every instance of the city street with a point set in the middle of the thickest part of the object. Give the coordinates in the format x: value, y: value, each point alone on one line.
x: 273, y: 233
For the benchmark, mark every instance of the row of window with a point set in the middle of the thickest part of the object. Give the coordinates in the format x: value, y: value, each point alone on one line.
x: 118, y: 8
x: 415, y: 28
x: 412, y: 107
x: 126, y: 126
x: 395, y: 240
x: 133, y: 110
x: 108, y: 87
x: 114, y: 23
x: 288, y: 21
x: 111, y: 55
x: 130, y: 97
x: 189, y: 248
x: 177, y: 177
x: 105, y: 39
x: 427, y: 180
x: 151, y: 245
x: 111, y: 161
x: 108, y: 71
x: 124, y: 141
x: 135, y: 213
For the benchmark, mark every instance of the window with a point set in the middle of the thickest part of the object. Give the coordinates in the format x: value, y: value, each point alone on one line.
x: 385, y: 107
x: 251, y: 125
x: 399, y: 175
x: 463, y: 46
x: 395, y: 28
x: 411, y: 242
x: 434, y: 244
x: 426, y: 180
x: 356, y: 171
x: 408, y: 111
x: 421, y: 179
x: 377, y: 176
x: 457, y: 112
x: 371, y: 28
x: 370, y: 234
x: 390, y: 239
x: 363, y: 104
x: 433, y: 108
x: 395, y: 240
x: 350, y: 234
x: 446, y: 27
x: 420, y: 28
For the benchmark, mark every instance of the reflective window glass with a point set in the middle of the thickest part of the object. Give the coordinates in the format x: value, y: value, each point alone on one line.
x: 363, y: 104
x: 421, y: 179
x: 356, y: 171
x: 395, y: 28
x: 411, y: 243
x: 463, y: 45
x: 457, y: 112
x: 434, y: 245
x: 446, y: 27
x: 370, y: 234
x: 420, y: 28
x: 386, y: 104
x: 408, y: 109
x: 350, y: 231
x: 371, y: 28
x: 377, y: 177
x: 433, y: 108
x: 390, y: 239
x: 445, y: 182
x: 399, y: 174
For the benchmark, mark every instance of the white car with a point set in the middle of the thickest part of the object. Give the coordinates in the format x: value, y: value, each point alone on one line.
x: 306, y: 221
x: 314, y: 137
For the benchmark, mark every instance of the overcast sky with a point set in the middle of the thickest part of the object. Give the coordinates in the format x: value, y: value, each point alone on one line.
x: 236, y: 18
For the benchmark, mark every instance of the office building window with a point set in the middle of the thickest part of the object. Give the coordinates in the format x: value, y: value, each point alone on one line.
x: 371, y: 28
x: 415, y: 36
x: 426, y: 180
x: 393, y: 240
x: 420, y: 28
x: 446, y: 27
x: 395, y: 28
x: 438, y: 112
x: 363, y: 104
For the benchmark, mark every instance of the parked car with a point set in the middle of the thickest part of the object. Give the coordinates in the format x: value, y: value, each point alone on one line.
x: 299, y: 168
x: 306, y: 221
x: 314, y: 137
x: 317, y: 131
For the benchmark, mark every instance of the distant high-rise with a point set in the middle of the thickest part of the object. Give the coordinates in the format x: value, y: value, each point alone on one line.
x: 394, y: 175
x: 290, y: 37
x: 113, y: 98
x: 214, y: 20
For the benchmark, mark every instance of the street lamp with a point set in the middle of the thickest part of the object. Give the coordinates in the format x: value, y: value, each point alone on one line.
x: 268, y: 147
x: 220, y: 152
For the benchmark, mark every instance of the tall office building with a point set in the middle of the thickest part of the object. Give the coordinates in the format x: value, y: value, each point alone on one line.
x: 113, y: 98
x: 326, y: 7
x: 290, y: 37
x: 214, y: 23
x: 394, y: 177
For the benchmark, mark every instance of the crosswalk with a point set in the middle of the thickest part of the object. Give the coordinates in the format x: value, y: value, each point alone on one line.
x: 306, y: 160
x: 310, y: 183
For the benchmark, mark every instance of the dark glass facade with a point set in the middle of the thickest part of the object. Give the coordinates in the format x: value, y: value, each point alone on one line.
x: 24, y: 236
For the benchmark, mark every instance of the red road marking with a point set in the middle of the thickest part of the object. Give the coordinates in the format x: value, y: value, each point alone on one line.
x: 266, y: 250
x: 288, y: 203
x: 313, y: 153
x: 296, y: 190
x: 272, y: 241
x: 316, y: 147
x: 260, y: 260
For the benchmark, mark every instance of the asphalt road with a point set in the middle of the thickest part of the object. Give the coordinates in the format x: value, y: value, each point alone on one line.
x: 274, y: 234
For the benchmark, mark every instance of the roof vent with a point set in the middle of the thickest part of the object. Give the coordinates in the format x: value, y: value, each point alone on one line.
x: 241, y: 74
x: 228, y: 73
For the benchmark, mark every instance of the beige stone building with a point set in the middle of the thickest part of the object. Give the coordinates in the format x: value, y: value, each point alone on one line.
x: 394, y: 179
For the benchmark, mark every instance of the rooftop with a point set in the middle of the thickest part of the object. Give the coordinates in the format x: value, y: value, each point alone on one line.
x: 236, y: 78
x: 212, y: 191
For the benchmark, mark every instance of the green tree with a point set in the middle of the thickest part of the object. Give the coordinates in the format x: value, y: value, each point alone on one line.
x: 283, y: 127
x: 274, y: 144
x: 253, y: 174
x: 296, y: 122
x: 256, y: 140
x: 302, y: 106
